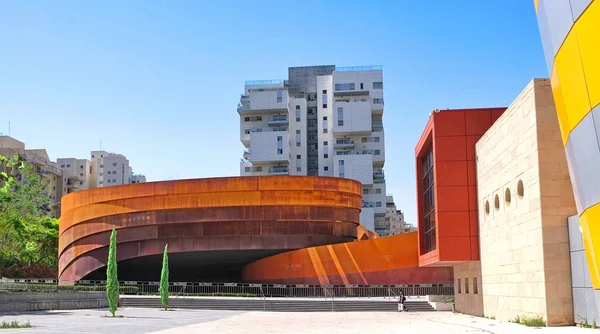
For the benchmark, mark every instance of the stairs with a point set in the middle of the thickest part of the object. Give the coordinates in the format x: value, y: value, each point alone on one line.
x: 276, y: 304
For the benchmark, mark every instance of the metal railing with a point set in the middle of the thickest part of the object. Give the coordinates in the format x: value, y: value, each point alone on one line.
x: 264, y: 82
x: 359, y: 68
x: 232, y: 289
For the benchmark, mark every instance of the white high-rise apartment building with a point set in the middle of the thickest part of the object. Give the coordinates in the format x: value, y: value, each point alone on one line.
x: 109, y: 169
x: 323, y: 121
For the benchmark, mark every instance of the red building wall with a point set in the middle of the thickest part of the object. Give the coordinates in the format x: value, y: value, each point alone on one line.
x: 452, y: 135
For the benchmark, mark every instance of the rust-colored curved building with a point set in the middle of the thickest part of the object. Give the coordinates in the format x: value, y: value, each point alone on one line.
x: 213, y: 226
x: 388, y: 260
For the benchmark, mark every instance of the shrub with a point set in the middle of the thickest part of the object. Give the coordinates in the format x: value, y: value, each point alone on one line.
x: 533, y: 321
x: 14, y: 324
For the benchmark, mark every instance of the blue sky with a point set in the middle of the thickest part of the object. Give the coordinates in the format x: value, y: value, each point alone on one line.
x: 159, y: 81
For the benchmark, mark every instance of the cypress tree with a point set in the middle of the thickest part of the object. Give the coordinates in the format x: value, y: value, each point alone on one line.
x: 164, y: 280
x: 112, y: 283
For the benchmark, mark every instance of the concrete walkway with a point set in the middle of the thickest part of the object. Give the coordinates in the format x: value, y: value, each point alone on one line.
x: 139, y: 321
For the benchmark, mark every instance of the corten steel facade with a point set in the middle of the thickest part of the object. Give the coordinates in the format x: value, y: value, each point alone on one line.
x: 389, y: 260
x: 447, y: 186
x: 213, y: 226
x: 570, y: 31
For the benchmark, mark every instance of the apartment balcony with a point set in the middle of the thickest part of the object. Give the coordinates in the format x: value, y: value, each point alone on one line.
x: 380, y: 181
x: 246, y: 155
x: 343, y: 144
x: 278, y: 121
x: 244, y: 99
x: 279, y: 171
x: 377, y: 105
x: 349, y: 91
x: 378, y: 174
x: 377, y: 127
x: 248, y: 108
x: 357, y: 152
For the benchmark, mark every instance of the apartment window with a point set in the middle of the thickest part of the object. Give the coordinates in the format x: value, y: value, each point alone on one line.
x: 378, y: 191
x: 80, y: 183
x: 340, y: 114
x: 297, y: 113
x: 475, y: 291
x: 81, y: 174
x: 312, y: 111
x: 459, y: 286
x: 365, y: 191
x: 324, y: 99
x: 68, y: 166
x: 378, y: 101
x: 101, y: 166
x: 427, y: 185
x: 378, y: 85
x: 325, y: 156
x: 259, y: 118
x: 377, y: 152
x: 325, y: 143
x: 62, y: 166
x: 466, y: 285
x: 311, y: 97
x: 325, y: 168
x: 378, y: 204
x: 108, y: 181
x: 324, y: 130
x: 344, y: 86
x: 279, y: 96
x: 362, y: 86
x: 101, y: 174
x: 298, y: 138
x: 246, y: 119
x: 298, y: 157
x: 101, y: 182
x: 279, y: 144
x: 298, y: 169
x: 341, y: 168
x: 114, y: 180
x: 92, y: 155
x: 247, y: 169
x: 109, y: 172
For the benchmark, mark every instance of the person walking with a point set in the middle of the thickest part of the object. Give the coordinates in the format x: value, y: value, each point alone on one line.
x: 401, y: 302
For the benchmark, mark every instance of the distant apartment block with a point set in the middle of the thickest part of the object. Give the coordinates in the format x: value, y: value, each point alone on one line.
x: 137, y: 178
x: 394, y: 220
x: 60, y: 181
x: 102, y: 170
x: 322, y: 120
x: 67, y: 175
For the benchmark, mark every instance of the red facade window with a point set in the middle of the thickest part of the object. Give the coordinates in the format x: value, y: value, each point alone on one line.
x: 428, y: 202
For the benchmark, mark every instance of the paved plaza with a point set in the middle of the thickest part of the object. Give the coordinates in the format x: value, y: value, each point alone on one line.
x: 137, y: 321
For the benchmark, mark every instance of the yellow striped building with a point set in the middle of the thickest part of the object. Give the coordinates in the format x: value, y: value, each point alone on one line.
x: 570, y: 32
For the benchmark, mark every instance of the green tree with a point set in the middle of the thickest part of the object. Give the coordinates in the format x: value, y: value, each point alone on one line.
x: 112, y: 282
x: 164, y: 280
x: 28, y: 235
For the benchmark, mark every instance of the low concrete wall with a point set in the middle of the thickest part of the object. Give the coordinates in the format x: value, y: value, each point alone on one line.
x: 22, y: 302
x: 438, y: 305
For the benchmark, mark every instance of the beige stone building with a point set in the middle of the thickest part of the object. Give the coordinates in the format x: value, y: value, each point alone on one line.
x: 524, y: 199
x: 394, y: 220
x: 59, y: 181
